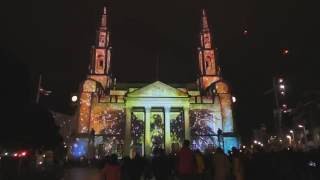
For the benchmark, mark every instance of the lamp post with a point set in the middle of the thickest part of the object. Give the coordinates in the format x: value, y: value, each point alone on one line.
x: 303, y: 130
x: 41, y: 91
x: 292, y: 133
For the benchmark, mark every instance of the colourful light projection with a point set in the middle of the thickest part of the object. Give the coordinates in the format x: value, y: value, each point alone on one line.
x: 202, y: 128
x: 108, y: 121
x: 157, y: 130
x: 79, y: 148
x: 100, y: 61
x: 100, y: 78
x: 222, y: 87
x: 206, y: 81
x: 137, y: 128
x: 85, y: 108
x: 177, y: 127
x: 89, y: 86
x: 226, y: 111
x: 111, y: 144
x: 209, y: 62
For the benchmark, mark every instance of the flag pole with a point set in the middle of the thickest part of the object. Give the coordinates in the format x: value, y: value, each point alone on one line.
x: 38, y: 89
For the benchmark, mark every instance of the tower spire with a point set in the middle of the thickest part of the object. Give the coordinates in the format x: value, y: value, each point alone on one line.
x: 103, y: 24
x: 208, y: 70
x: 101, y: 53
x: 205, y: 26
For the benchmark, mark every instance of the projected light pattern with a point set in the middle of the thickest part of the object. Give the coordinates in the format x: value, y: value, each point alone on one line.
x: 89, y: 86
x: 161, y: 123
x: 112, y: 144
x: 203, y: 142
x: 79, y: 148
x: 177, y: 127
x: 137, y: 128
x: 226, y: 112
x: 202, y: 128
x: 157, y: 130
x: 85, y: 108
x: 108, y: 121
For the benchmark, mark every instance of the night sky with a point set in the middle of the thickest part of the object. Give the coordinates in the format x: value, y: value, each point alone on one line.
x: 54, y: 38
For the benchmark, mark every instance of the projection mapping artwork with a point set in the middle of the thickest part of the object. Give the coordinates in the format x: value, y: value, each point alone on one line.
x: 137, y: 128
x: 202, y: 129
x: 108, y: 121
x: 157, y: 129
x: 176, y: 127
x: 191, y: 114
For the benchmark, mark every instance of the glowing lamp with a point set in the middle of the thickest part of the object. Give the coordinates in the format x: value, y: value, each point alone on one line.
x: 281, y: 86
x: 300, y: 126
x: 6, y: 153
x: 280, y: 80
x: 74, y: 98
x: 24, y: 153
x: 291, y: 131
x: 234, y: 99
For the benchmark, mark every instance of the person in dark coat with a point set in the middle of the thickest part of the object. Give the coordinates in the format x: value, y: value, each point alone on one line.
x: 185, y: 162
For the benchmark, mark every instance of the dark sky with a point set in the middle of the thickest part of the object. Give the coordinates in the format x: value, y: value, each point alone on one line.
x: 54, y: 38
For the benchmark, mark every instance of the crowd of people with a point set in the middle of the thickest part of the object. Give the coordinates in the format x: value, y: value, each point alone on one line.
x: 187, y: 164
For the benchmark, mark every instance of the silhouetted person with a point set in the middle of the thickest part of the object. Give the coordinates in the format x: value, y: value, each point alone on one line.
x: 160, y: 165
x: 185, y: 162
x: 112, y: 170
x: 237, y: 164
x: 200, y: 164
x: 92, y: 135
x: 136, y: 167
x: 221, y: 165
x: 220, y: 138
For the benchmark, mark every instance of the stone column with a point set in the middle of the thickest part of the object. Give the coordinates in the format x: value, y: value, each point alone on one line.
x: 127, y: 138
x: 167, y: 137
x: 186, y: 123
x: 147, y: 134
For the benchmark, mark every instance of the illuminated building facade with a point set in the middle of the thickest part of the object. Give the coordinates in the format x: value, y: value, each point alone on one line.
x: 146, y: 116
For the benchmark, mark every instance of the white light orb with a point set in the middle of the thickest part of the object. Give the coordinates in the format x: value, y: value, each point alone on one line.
x: 74, y: 98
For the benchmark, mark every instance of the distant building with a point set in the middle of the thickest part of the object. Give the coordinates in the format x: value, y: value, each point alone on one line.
x: 145, y: 116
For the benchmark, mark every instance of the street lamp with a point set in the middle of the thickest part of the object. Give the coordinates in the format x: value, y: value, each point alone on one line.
x: 303, y: 130
x: 291, y: 132
x: 74, y: 98
x: 289, y: 138
x: 234, y: 99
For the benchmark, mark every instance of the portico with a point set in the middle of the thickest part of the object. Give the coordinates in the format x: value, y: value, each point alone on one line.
x: 155, y: 104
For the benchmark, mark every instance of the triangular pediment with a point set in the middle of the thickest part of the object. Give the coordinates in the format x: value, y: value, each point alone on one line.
x: 157, y: 89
